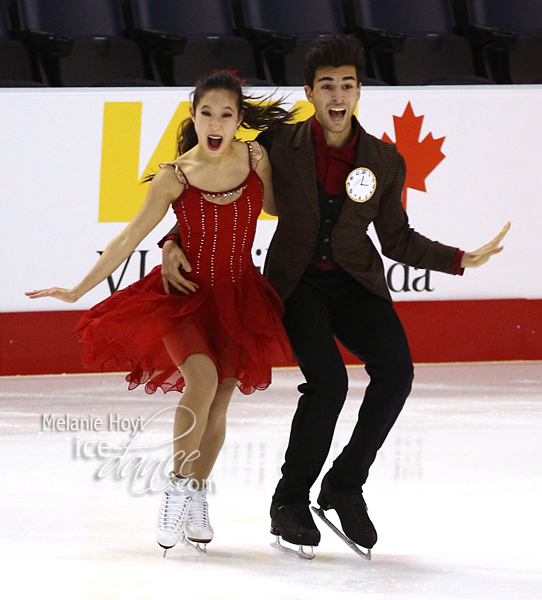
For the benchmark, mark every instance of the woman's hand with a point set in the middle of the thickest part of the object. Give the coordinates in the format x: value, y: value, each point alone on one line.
x: 54, y: 292
x: 172, y: 258
x: 482, y: 255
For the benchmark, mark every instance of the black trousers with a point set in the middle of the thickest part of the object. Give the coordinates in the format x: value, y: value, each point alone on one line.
x: 326, y: 304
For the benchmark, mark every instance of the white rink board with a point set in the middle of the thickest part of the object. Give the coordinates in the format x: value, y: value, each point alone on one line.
x: 51, y: 151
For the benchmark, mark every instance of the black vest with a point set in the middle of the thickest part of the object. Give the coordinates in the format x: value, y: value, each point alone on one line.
x: 330, y: 209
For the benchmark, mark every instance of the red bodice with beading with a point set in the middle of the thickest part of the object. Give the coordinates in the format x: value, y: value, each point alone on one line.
x: 234, y: 317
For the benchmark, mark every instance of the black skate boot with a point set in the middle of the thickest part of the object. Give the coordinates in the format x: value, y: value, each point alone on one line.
x: 352, y: 511
x: 294, y: 523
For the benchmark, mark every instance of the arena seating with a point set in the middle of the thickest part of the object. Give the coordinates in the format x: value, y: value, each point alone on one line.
x: 207, y: 28
x: 173, y: 42
x: 81, y: 43
x: 412, y: 42
x: 15, y: 66
x: 506, y: 35
x: 282, y: 30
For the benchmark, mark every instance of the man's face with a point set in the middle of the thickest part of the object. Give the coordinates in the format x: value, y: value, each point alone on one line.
x: 335, y: 94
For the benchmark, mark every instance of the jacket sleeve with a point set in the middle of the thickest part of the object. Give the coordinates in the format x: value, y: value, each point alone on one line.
x: 399, y: 241
x: 173, y: 235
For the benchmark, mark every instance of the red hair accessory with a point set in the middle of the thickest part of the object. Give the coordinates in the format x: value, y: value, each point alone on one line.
x: 233, y: 73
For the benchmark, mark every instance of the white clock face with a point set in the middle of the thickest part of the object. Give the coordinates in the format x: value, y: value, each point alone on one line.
x: 361, y: 184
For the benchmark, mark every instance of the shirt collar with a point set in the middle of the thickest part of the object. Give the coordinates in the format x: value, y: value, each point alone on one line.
x: 320, y: 140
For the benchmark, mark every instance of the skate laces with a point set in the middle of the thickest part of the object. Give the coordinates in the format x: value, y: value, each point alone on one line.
x: 199, y: 509
x: 358, y: 510
x: 173, y: 509
x: 301, y: 514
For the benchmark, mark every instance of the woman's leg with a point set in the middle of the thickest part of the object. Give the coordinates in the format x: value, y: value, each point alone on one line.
x: 215, y: 431
x: 198, y: 527
x: 191, y: 416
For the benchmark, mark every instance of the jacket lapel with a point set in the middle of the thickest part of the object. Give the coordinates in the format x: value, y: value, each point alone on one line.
x: 366, y: 155
x: 303, y: 150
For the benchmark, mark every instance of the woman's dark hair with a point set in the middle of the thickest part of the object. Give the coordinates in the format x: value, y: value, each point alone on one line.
x: 334, y: 50
x: 258, y: 113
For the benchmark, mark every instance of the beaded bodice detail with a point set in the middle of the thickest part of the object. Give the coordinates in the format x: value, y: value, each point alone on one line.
x: 218, y: 228
x: 223, y: 197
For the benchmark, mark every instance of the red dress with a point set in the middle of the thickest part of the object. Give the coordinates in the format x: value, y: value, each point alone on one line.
x: 234, y: 317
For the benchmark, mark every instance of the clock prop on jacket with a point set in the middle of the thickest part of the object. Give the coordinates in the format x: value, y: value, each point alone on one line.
x: 361, y: 184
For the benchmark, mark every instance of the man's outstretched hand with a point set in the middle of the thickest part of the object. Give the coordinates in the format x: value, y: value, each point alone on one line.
x: 173, y: 260
x: 482, y: 255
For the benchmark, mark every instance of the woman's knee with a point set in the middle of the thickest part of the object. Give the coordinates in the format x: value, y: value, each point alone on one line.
x: 200, y: 374
x: 222, y: 398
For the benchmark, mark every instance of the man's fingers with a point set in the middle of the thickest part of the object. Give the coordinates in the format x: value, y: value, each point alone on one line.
x: 184, y: 263
x: 497, y: 250
x: 180, y: 288
x: 179, y: 279
x: 173, y: 277
x: 494, y: 246
x: 179, y: 257
x: 502, y: 233
x: 178, y: 282
x: 192, y: 287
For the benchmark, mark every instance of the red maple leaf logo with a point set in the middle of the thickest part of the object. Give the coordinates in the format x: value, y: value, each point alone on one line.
x: 421, y: 157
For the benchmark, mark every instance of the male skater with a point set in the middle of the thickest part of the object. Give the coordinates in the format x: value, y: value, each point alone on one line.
x: 331, y: 278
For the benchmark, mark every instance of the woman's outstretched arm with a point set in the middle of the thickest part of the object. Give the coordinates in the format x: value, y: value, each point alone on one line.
x: 163, y: 190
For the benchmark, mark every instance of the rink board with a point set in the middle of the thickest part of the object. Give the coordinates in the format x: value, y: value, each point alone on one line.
x: 73, y: 160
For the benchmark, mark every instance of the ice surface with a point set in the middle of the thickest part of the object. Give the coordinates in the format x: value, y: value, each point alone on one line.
x: 455, y: 494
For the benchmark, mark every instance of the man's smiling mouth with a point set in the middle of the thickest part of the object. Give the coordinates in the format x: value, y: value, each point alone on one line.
x: 337, y: 114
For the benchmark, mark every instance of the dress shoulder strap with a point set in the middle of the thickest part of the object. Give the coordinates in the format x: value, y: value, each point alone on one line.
x: 255, y: 154
x: 178, y: 171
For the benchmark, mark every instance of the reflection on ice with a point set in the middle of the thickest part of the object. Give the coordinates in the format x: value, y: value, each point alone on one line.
x: 455, y: 494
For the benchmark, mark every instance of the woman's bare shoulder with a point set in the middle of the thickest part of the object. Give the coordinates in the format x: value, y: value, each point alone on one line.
x: 169, y: 180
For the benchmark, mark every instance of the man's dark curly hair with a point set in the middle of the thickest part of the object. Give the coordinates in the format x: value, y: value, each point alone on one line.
x: 334, y: 50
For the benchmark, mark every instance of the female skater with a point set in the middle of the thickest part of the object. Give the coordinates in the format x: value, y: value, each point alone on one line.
x: 229, y: 330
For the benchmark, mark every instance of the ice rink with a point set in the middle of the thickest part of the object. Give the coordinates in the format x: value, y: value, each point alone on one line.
x: 455, y: 493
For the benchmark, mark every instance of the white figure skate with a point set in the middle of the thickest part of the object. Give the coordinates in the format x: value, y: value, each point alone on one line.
x: 197, y: 530
x: 173, y: 512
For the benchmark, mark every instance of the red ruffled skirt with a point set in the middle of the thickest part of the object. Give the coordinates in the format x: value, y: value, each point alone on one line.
x: 147, y: 332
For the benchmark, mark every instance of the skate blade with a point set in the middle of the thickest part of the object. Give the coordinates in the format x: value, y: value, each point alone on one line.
x: 352, y: 545
x: 165, y: 549
x: 200, y: 547
x: 300, y: 553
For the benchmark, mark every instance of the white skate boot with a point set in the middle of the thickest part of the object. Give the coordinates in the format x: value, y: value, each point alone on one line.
x: 197, y: 527
x: 173, y: 512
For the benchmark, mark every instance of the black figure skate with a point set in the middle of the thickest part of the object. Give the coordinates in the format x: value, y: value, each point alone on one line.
x: 294, y: 524
x: 352, y: 510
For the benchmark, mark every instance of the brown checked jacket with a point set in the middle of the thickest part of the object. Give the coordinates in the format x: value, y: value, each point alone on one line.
x: 296, y: 196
